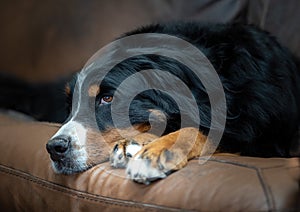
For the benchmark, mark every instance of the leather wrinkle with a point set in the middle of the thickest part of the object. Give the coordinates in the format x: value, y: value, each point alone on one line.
x: 265, y: 187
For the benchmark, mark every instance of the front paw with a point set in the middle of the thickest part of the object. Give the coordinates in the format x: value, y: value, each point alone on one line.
x: 165, y: 154
x: 152, y: 164
x: 122, y: 152
x: 141, y: 171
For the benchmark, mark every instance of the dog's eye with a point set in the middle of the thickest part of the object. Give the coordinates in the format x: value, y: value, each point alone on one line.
x: 106, y: 100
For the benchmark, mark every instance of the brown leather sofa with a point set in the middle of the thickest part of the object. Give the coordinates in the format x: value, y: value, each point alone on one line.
x: 49, y: 39
x: 225, y: 182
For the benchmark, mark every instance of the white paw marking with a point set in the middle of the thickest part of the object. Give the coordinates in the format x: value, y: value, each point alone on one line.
x: 132, y: 148
x: 119, y: 157
x: 141, y: 171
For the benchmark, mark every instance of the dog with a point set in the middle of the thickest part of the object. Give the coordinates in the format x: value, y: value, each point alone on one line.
x: 260, y: 80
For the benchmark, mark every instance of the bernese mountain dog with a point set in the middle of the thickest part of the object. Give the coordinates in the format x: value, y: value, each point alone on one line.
x: 260, y: 80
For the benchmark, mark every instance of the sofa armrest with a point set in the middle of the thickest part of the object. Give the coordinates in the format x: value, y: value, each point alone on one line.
x: 229, y: 182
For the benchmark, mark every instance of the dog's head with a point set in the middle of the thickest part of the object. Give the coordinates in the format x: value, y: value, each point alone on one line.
x: 156, y: 87
x: 101, y: 114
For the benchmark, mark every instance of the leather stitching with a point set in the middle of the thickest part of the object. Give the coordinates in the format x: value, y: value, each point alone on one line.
x: 81, y: 194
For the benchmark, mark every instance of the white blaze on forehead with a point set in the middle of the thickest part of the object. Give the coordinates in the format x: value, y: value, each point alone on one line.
x: 77, y: 96
x: 75, y: 131
x: 88, y: 66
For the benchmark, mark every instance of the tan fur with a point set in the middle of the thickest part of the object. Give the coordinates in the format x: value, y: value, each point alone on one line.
x: 93, y: 91
x: 172, y: 151
x: 99, y: 145
x: 68, y: 90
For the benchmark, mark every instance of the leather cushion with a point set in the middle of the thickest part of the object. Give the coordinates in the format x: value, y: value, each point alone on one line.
x: 224, y: 182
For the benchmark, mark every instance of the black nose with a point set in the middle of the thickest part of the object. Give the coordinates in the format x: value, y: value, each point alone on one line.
x: 57, y: 147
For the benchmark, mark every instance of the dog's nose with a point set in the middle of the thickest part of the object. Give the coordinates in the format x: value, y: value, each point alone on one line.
x: 57, y: 147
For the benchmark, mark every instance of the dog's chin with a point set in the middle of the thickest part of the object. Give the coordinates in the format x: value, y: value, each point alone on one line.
x: 69, y: 167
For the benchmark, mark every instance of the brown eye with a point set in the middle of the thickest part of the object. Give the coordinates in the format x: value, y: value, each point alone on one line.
x: 106, y: 99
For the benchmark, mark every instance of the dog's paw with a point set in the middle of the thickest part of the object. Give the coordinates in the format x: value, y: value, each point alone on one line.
x: 127, y: 148
x: 154, y: 163
x: 140, y: 170
x: 164, y: 155
x: 122, y: 152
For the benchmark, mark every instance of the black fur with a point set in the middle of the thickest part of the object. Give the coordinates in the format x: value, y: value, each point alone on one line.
x: 42, y: 101
x: 259, y: 77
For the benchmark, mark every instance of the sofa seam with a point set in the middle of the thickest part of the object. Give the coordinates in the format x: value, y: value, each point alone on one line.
x: 267, y: 190
x: 81, y: 194
x: 239, y: 164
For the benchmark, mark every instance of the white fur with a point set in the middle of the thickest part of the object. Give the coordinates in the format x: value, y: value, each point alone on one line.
x: 119, y: 159
x: 132, y: 148
x: 140, y: 170
x: 75, y: 131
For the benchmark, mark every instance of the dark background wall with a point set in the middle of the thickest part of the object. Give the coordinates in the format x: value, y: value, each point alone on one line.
x: 44, y: 40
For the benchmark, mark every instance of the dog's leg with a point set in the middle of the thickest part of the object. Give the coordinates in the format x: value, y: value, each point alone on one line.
x: 165, y: 155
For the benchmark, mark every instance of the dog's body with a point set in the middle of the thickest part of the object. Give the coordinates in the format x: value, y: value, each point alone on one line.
x: 261, y: 84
